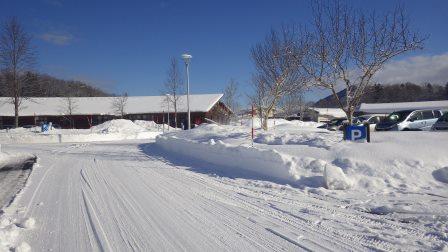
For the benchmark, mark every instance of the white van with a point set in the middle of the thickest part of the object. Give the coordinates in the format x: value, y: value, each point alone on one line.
x: 409, y: 120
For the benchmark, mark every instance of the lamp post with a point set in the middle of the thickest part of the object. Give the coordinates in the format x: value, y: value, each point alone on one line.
x: 168, y: 114
x: 187, y: 58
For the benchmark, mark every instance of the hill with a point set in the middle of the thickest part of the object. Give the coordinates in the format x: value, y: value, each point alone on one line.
x: 43, y: 85
x: 406, y: 92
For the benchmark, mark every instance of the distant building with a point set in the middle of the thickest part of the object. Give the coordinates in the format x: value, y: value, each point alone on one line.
x: 386, y: 108
x: 322, y: 114
x: 89, y: 111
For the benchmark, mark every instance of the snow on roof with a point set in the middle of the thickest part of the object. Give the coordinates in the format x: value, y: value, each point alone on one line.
x: 335, y: 112
x: 103, y: 105
x: 391, y: 107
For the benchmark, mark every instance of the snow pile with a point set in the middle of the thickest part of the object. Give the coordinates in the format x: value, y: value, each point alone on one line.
x: 335, y: 178
x: 10, y: 230
x: 152, y: 126
x: 147, y: 124
x: 117, y: 126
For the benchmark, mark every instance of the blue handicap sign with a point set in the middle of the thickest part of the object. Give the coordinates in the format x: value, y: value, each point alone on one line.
x: 356, y: 133
x: 44, y: 127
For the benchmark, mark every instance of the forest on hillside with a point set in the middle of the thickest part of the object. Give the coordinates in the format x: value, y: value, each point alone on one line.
x: 406, y: 92
x: 43, y: 85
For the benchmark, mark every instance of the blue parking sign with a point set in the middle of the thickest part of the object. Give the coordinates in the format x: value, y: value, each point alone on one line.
x: 356, y: 133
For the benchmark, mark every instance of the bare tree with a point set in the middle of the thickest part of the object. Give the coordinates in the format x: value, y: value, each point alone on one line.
x: 277, y: 62
x: 349, y: 47
x: 119, y: 104
x: 231, y: 96
x: 16, y: 60
x: 69, y: 106
x: 291, y: 103
x: 174, y: 86
x: 259, y: 98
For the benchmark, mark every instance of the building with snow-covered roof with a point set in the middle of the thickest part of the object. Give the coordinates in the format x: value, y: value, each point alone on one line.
x: 323, y: 114
x: 386, y: 108
x: 89, y: 111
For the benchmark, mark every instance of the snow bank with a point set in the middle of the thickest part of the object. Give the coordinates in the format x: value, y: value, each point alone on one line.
x: 263, y: 162
x: 151, y: 125
x: 10, y: 227
x: 268, y: 164
x: 13, y: 160
x: 403, y: 162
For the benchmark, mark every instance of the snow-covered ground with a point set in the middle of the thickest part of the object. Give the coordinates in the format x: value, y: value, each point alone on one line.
x: 298, y: 188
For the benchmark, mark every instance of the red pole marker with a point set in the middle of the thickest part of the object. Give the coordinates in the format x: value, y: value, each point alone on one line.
x: 253, y: 125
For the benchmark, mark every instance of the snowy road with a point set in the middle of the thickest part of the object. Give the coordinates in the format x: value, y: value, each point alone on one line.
x: 127, y: 196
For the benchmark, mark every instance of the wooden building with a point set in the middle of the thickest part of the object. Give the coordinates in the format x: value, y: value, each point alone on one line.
x: 90, y: 111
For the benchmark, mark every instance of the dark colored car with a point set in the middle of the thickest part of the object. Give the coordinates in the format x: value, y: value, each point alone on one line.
x: 8, y: 126
x: 334, y: 124
x: 56, y: 126
x: 442, y: 123
x: 292, y: 118
x: 28, y: 126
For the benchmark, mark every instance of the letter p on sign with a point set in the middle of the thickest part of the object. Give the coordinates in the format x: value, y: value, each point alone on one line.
x: 356, y: 133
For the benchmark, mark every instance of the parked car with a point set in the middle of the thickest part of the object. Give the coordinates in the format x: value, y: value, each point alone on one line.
x: 29, y: 126
x: 409, y: 120
x: 334, y: 124
x: 56, y: 126
x: 372, y: 119
x: 442, y: 123
x: 292, y: 118
x: 7, y: 126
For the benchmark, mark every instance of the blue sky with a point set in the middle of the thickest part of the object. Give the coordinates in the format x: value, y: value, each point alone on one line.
x: 126, y: 45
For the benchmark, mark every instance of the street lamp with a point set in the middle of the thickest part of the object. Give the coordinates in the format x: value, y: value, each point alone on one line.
x: 168, y: 100
x: 187, y: 58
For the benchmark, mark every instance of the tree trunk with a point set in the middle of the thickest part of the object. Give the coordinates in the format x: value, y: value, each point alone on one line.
x: 349, y: 114
x: 265, y: 121
x: 16, y: 112
x: 175, y: 113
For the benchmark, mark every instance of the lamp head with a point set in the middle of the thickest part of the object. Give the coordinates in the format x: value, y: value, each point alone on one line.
x: 186, y: 57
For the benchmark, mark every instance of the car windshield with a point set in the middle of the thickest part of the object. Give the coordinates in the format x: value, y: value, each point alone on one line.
x: 335, y: 122
x: 444, y: 117
x: 398, y: 116
x: 363, y: 118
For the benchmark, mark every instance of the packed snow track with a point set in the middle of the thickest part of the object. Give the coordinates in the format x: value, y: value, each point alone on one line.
x: 129, y: 196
